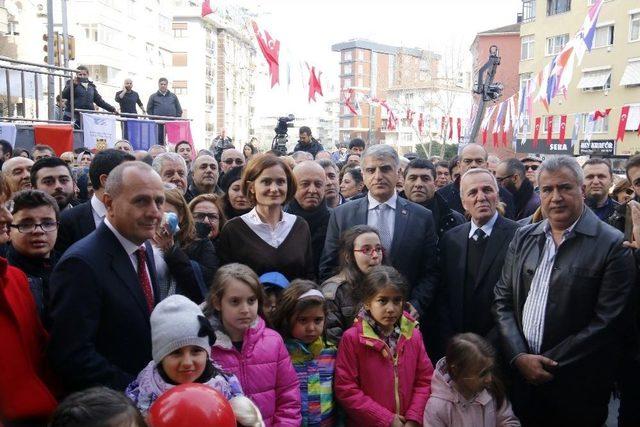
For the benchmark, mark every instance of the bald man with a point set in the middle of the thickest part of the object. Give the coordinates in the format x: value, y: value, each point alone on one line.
x: 309, y: 203
x: 129, y: 98
x: 17, y: 172
x: 473, y: 156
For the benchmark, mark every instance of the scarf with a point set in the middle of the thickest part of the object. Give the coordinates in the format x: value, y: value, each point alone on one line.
x: 390, y: 340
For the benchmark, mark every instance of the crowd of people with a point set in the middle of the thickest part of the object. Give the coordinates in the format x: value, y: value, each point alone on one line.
x: 355, y: 287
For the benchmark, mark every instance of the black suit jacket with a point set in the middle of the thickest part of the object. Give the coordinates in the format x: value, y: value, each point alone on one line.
x: 100, y: 332
x: 452, y: 259
x: 589, y: 302
x: 75, y: 223
x: 413, y: 250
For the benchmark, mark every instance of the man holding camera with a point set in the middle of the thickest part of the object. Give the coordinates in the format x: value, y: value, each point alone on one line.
x: 307, y: 142
x: 85, y: 94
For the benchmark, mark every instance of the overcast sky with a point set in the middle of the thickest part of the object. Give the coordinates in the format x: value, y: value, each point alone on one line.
x: 307, y: 29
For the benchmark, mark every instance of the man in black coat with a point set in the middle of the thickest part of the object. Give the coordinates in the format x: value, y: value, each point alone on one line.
x: 81, y: 220
x: 104, y: 288
x: 511, y: 175
x: 85, y: 94
x: 473, y: 156
x: 420, y: 188
x: 563, y: 303
x: 471, y: 257
x: 309, y: 204
x: 407, y: 230
x: 307, y: 142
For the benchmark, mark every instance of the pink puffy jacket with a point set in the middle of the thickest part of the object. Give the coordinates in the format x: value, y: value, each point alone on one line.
x: 265, y: 373
x: 372, y: 386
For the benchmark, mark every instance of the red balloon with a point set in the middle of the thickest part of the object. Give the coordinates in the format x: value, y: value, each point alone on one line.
x: 190, y: 405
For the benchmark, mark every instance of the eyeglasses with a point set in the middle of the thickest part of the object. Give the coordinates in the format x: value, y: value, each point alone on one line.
x: 201, y: 216
x: 629, y: 191
x: 369, y: 250
x: 503, y: 178
x: 30, y: 228
x: 238, y: 161
x: 531, y: 167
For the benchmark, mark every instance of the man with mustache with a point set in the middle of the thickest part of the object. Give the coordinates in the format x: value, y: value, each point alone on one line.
x: 204, y: 179
x: 511, y: 175
x: 17, y: 173
x: 563, y: 303
x: 309, y: 204
x: 53, y: 176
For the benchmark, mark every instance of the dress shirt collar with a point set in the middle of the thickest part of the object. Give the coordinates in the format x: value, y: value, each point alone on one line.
x: 129, y: 247
x: 253, y: 219
x: 567, y: 232
x: 98, y: 207
x: 373, y: 203
x: 487, y: 228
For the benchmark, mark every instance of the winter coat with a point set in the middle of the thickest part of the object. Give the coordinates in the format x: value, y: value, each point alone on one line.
x: 448, y: 408
x: 342, y: 306
x: 25, y: 382
x: 372, y: 386
x: 149, y: 385
x: 264, y: 370
x: 314, y: 365
x: 166, y: 104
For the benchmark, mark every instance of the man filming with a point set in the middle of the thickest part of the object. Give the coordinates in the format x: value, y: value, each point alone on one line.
x: 85, y: 94
x: 307, y: 142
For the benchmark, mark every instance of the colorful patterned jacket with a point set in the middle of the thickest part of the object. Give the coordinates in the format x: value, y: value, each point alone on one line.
x: 314, y: 365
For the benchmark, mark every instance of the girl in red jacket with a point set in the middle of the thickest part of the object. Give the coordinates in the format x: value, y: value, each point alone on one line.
x: 383, y: 374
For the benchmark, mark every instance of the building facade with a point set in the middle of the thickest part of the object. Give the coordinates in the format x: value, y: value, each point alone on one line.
x: 607, y: 78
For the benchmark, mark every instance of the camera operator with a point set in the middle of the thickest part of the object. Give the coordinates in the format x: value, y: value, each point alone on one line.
x: 307, y: 142
x: 85, y: 94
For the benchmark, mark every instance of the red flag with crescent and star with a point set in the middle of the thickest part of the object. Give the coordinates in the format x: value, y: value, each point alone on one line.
x: 536, y: 132
x: 270, y: 48
x: 206, y: 8
x: 314, y: 84
x: 549, y: 129
x: 624, y: 114
x: 563, y: 128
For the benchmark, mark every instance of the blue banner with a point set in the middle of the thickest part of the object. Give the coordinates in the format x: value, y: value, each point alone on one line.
x: 142, y: 134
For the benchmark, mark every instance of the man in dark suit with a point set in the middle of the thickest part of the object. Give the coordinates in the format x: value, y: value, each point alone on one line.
x: 406, y: 229
x: 104, y: 287
x: 473, y: 156
x: 80, y: 221
x: 562, y: 304
x: 471, y: 257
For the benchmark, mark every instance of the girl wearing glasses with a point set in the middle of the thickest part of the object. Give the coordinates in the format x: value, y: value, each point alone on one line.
x: 360, y: 250
x: 465, y: 390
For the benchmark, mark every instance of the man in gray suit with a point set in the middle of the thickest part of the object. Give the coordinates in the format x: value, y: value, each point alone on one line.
x: 407, y: 230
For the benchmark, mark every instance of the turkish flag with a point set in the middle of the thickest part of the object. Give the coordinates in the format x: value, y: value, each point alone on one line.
x: 459, y: 126
x: 484, y: 136
x: 450, y: 127
x: 314, y: 84
x: 206, y: 8
x: 536, y: 132
x: 421, y: 124
x: 58, y: 137
x: 549, y: 129
x: 624, y: 114
x: 601, y: 114
x: 270, y: 48
x: 495, y: 139
x: 504, y: 137
x: 563, y: 128
x: 442, y: 126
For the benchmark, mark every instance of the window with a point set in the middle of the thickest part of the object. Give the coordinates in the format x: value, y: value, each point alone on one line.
x: 179, y: 29
x: 361, y: 69
x: 528, y: 10
x: 346, y: 123
x: 527, y: 43
x: 208, y: 94
x: 164, y: 24
x: 593, y: 80
x: 634, y: 27
x: 604, y: 36
x: 347, y: 69
x: 346, y: 83
x: 361, y: 55
x: 555, y: 7
x: 556, y: 43
x: 347, y: 55
x: 179, y: 60
x: 91, y: 32
x: 631, y: 76
x: 599, y: 126
x: 179, y: 87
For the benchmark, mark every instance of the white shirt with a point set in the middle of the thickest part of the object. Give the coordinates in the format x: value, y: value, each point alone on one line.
x: 130, y: 248
x: 98, y: 209
x: 487, y: 228
x: 273, y: 236
x: 389, y: 214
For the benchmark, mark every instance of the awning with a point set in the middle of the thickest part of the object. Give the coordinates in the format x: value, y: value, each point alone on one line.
x: 631, y: 74
x: 591, y: 79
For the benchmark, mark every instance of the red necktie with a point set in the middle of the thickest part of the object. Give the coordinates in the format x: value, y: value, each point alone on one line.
x: 143, y: 277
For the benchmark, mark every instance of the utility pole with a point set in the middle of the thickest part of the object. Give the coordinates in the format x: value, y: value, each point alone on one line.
x: 50, y: 59
x: 65, y: 34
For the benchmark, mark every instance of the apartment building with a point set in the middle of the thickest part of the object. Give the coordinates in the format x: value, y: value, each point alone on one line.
x: 608, y: 77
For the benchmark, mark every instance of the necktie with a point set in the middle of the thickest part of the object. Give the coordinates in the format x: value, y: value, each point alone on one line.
x: 143, y: 277
x: 479, y: 235
x: 383, y: 225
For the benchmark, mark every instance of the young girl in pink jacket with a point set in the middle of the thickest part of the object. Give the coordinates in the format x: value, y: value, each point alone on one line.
x: 246, y: 348
x: 383, y: 374
x: 465, y: 391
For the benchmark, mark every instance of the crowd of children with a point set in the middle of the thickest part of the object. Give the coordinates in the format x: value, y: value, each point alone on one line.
x: 378, y: 374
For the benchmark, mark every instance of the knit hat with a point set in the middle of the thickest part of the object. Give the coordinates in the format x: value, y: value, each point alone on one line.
x: 229, y: 177
x: 177, y: 322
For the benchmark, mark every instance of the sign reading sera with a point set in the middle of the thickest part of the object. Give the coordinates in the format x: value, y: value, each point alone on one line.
x: 600, y: 147
x: 543, y: 148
